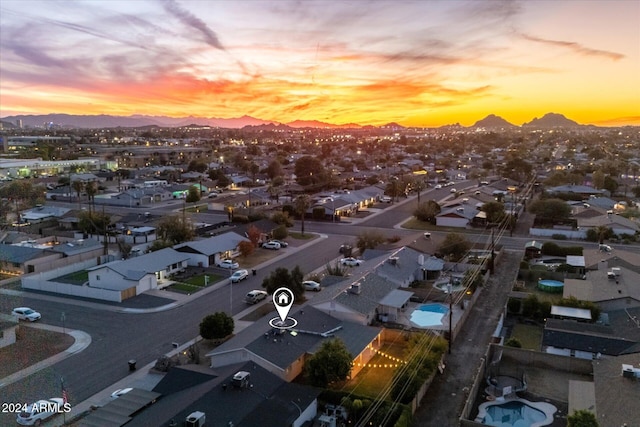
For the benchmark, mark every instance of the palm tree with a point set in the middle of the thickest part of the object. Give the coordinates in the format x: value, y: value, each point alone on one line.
x: 91, y: 188
x: 78, y: 186
x: 301, y: 204
x: 418, y: 185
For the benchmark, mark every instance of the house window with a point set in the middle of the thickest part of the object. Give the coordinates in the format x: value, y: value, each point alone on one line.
x: 97, y: 277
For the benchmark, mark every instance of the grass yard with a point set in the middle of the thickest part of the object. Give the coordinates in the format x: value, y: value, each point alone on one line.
x: 371, y: 379
x: 530, y: 336
x: 76, y: 278
x: 194, y: 284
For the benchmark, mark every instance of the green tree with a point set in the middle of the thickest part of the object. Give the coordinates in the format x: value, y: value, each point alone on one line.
x: 454, y: 246
x: 197, y: 165
x: 552, y: 209
x: 174, y: 230
x: 582, y: 418
x: 427, y: 211
x: 274, y: 169
x: 369, y: 240
x: 393, y: 189
x: 301, y: 204
x: 281, y: 277
x: 93, y: 222
x: 331, y: 363
x: 610, y: 184
x: 193, y: 195
x: 494, y: 210
x: 310, y: 171
x: 418, y: 185
x: 216, y: 326
x: 598, y: 179
x: 513, y: 342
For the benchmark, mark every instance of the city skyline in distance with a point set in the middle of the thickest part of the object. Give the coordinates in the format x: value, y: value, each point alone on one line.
x: 418, y: 64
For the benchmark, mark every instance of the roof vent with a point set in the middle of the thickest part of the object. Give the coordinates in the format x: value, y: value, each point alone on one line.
x: 355, y: 289
x: 393, y: 260
x: 195, y: 419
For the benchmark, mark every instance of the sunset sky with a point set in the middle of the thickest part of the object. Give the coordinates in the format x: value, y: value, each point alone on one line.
x: 417, y: 63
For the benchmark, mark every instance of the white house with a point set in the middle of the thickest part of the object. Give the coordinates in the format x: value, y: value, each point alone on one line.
x: 207, y: 252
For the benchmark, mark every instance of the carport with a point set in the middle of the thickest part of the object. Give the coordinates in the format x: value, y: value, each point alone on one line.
x: 120, y: 411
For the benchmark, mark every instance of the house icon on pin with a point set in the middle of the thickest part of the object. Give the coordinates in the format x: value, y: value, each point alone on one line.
x: 282, y: 298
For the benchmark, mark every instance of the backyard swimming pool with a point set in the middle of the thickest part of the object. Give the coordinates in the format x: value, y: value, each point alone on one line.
x: 516, y: 413
x: 429, y: 314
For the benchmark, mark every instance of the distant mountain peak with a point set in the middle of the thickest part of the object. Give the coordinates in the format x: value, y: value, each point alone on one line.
x: 493, y: 121
x: 552, y: 120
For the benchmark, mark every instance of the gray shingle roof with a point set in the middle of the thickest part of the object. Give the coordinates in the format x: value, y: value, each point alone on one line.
x: 136, y: 268
x: 372, y: 289
x: 213, y: 245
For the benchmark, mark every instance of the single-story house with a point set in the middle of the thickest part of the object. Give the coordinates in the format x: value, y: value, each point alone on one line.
x: 208, y: 252
x: 240, y: 394
x: 137, y: 275
x: 284, y: 352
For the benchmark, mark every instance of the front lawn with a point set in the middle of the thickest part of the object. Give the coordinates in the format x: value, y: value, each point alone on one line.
x: 76, y: 278
x: 298, y: 235
x: 200, y: 280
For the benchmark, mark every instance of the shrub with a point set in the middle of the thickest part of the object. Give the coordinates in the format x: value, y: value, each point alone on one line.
x: 282, y: 218
x: 513, y: 342
x: 242, y: 219
x: 514, y: 305
x: 318, y: 213
x: 280, y: 232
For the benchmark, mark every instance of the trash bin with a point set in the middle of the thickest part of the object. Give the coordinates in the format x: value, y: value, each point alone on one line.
x: 253, y: 271
x: 132, y: 365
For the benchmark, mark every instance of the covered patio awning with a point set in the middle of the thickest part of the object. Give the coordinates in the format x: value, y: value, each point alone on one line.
x: 396, y: 298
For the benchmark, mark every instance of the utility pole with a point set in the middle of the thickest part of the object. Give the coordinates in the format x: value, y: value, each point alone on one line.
x: 450, y: 290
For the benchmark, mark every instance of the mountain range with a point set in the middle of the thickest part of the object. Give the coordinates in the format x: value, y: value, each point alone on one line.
x: 550, y: 120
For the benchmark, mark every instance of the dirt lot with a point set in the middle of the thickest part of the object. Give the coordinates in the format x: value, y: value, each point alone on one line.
x: 32, y: 345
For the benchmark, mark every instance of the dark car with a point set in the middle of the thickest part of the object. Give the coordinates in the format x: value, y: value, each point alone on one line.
x: 346, y: 249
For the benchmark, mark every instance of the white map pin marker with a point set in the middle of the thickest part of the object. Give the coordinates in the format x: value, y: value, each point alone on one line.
x: 283, y: 300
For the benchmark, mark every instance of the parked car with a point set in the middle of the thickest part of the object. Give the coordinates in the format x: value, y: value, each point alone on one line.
x: 453, y: 190
x: 228, y: 263
x: 310, y: 285
x: 282, y: 244
x: 346, y: 249
x: 385, y: 199
x: 255, y: 296
x: 239, y: 275
x: 116, y: 394
x: 271, y: 245
x: 438, y: 186
x: 35, y: 413
x: 605, y: 248
x: 351, y: 262
x: 25, y: 313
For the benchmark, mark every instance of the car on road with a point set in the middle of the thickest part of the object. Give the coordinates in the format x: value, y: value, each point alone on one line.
x: 345, y: 249
x: 271, y: 245
x: 239, y: 275
x: 116, y: 394
x: 25, y: 313
x: 255, y: 296
x: 310, y: 285
x: 282, y: 244
x: 35, y: 413
x: 453, y: 190
x: 438, y: 186
x: 228, y: 263
x: 351, y: 262
x: 605, y: 248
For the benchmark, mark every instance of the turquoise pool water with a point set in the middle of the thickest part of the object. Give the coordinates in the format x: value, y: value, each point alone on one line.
x: 429, y: 314
x: 513, y: 414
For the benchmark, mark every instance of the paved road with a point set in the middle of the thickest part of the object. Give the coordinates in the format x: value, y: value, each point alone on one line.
x: 443, y: 403
x: 118, y: 337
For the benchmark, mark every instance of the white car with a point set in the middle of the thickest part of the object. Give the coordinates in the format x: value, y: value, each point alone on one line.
x: 239, y: 275
x: 34, y: 413
x: 271, y: 245
x: 116, y: 394
x: 453, y: 190
x: 255, y: 296
x: 25, y: 313
x: 385, y: 199
x: 310, y: 285
x: 351, y: 262
x: 227, y: 263
x: 438, y: 186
